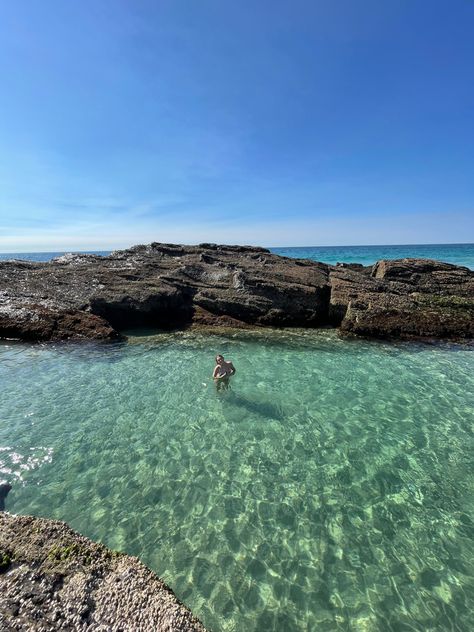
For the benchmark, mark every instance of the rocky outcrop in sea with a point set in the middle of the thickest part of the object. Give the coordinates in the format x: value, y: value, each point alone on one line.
x: 172, y: 286
x: 52, y: 578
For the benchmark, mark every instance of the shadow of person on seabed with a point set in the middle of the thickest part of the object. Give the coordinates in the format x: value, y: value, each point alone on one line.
x: 261, y: 407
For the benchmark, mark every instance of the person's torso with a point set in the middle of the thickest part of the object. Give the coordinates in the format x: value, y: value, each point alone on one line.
x: 225, y: 368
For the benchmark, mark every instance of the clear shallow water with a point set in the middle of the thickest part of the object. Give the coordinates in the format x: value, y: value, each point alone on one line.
x: 330, y: 489
x: 460, y: 254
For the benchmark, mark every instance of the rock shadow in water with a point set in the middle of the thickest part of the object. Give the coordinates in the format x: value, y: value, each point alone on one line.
x: 4, y: 491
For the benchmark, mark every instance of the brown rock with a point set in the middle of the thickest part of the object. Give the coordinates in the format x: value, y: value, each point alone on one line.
x: 172, y: 286
x: 52, y: 578
x: 410, y: 298
x: 159, y: 285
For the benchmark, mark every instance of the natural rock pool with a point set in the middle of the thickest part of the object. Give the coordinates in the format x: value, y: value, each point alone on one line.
x: 330, y: 489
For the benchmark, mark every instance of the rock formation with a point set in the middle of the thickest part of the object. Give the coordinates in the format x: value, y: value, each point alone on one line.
x: 171, y: 286
x: 52, y: 578
x: 408, y: 298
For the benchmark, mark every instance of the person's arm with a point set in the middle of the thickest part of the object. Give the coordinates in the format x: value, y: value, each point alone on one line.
x: 215, y: 375
x: 232, y: 368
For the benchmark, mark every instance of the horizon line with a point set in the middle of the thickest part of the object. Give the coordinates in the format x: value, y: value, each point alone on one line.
x: 84, y: 251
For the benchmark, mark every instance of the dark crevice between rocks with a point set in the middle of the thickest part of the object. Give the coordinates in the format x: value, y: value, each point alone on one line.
x: 174, y: 311
x: 336, y: 314
x: 58, y: 583
x: 90, y: 605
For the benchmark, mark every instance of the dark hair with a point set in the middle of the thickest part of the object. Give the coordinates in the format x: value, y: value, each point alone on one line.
x: 219, y: 355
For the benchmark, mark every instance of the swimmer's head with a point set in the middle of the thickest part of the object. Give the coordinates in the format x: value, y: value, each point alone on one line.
x: 219, y: 358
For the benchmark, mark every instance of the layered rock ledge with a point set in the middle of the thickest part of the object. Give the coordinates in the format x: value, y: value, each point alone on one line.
x: 52, y: 578
x: 172, y: 286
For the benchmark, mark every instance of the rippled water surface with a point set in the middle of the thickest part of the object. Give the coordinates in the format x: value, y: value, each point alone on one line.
x: 330, y: 489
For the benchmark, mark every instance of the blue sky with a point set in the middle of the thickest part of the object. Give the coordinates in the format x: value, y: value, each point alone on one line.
x: 264, y: 122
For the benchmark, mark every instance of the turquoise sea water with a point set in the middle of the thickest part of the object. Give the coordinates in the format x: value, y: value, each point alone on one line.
x: 47, y: 256
x: 460, y: 254
x: 330, y: 489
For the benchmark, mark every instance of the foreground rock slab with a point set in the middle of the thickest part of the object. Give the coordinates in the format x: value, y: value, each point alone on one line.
x: 172, y: 286
x: 52, y: 578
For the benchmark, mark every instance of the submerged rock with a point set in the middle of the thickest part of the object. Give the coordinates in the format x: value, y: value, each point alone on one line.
x: 173, y: 286
x: 52, y: 578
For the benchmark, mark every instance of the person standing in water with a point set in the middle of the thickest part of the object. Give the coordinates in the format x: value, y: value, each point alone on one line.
x: 222, y: 372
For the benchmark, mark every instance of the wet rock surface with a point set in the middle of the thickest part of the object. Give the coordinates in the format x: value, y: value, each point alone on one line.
x: 52, y: 578
x: 172, y: 286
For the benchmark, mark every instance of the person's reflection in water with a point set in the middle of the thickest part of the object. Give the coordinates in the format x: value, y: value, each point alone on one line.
x: 222, y: 372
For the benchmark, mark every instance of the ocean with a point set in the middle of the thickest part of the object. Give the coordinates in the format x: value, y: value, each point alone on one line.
x: 459, y: 254
x: 330, y: 488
